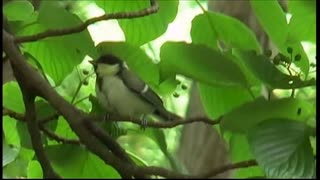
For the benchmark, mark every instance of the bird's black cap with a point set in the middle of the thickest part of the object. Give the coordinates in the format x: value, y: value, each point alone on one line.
x: 109, y: 59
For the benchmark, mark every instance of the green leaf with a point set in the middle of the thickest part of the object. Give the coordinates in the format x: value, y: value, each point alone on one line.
x: 44, y: 110
x: 57, y: 60
x: 261, y: 66
x: 278, y: 29
x: 209, y: 27
x: 10, y: 131
x: 218, y: 100
x: 138, y: 161
x: 303, y: 15
x: 10, y: 153
x: 16, y: 169
x: 26, y: 154
x: 167, y: 87
x: 34, y: 170
x: 157, y: 135
x: 80, y: 163
x: 242, y: 154
x: 144, y: 29
x: 272, y: 19
x: 249, y: 114
x: 203, y: 32
x: 199, y: 63
x: 12, y: 97
x: 136, y: 59
x: 24, y: 135
x: 282, y: 148
x: 63, y: 129
x: 18, y: 10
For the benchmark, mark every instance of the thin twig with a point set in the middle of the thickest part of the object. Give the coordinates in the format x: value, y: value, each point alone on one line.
x: 58, y: 138
x: 12, y: 114
x: 81, y: 27
x: 221, y: 169
x: 164, y: 124
x: 79, y: 87
x: 80, y: 100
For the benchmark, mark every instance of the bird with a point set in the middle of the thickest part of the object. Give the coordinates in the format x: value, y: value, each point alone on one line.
x: 119, y: 90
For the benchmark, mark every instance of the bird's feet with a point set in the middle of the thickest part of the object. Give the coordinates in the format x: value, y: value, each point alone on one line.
x: 144, y: 122
x: 106, y: 116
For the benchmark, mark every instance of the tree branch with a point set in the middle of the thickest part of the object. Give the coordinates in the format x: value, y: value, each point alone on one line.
x: 35, y: 134
x: 164, y: 124
x: 21, y: 117
x: 76, y: 29
x: 13, y: 114
x: 58, y: 138
x: 221, y: 169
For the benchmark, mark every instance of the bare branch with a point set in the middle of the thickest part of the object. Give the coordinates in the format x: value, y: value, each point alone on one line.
x: 242, y: 164
x: 58, y: 138
x: 35, y: 134
x: 12, y: 114
x: 164, y: 124
x: 76, y: 29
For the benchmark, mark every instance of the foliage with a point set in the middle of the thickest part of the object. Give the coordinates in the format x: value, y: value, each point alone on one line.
x: 224, y: 58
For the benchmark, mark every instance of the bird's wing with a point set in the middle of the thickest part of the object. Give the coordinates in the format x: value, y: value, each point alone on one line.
x: 133, y: 82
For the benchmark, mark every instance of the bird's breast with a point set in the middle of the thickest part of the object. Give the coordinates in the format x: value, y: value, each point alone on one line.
x: 121, y: 99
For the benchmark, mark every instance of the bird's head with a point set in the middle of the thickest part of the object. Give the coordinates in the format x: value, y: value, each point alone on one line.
x: 107, y: 65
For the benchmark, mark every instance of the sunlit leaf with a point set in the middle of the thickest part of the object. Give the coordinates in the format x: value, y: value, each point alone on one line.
x: 218, y: 100
x: 10, y: 131
x: 278, y: 29
x: 9, y: 154
x: 18, y: 10
x: 303, y: 15
x: 12, y: 97
x: 157, y: 135
x: 209, y: 27
x: 16, y: 169
x: 34, y: 170
x: 273, y: 20
x: 203, y: 32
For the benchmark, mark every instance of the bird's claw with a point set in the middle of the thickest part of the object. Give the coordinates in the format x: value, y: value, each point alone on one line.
x: 144, y: 123
x: 106, y: 116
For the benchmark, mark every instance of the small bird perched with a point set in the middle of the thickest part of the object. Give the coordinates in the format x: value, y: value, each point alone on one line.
x: 121, y: 91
